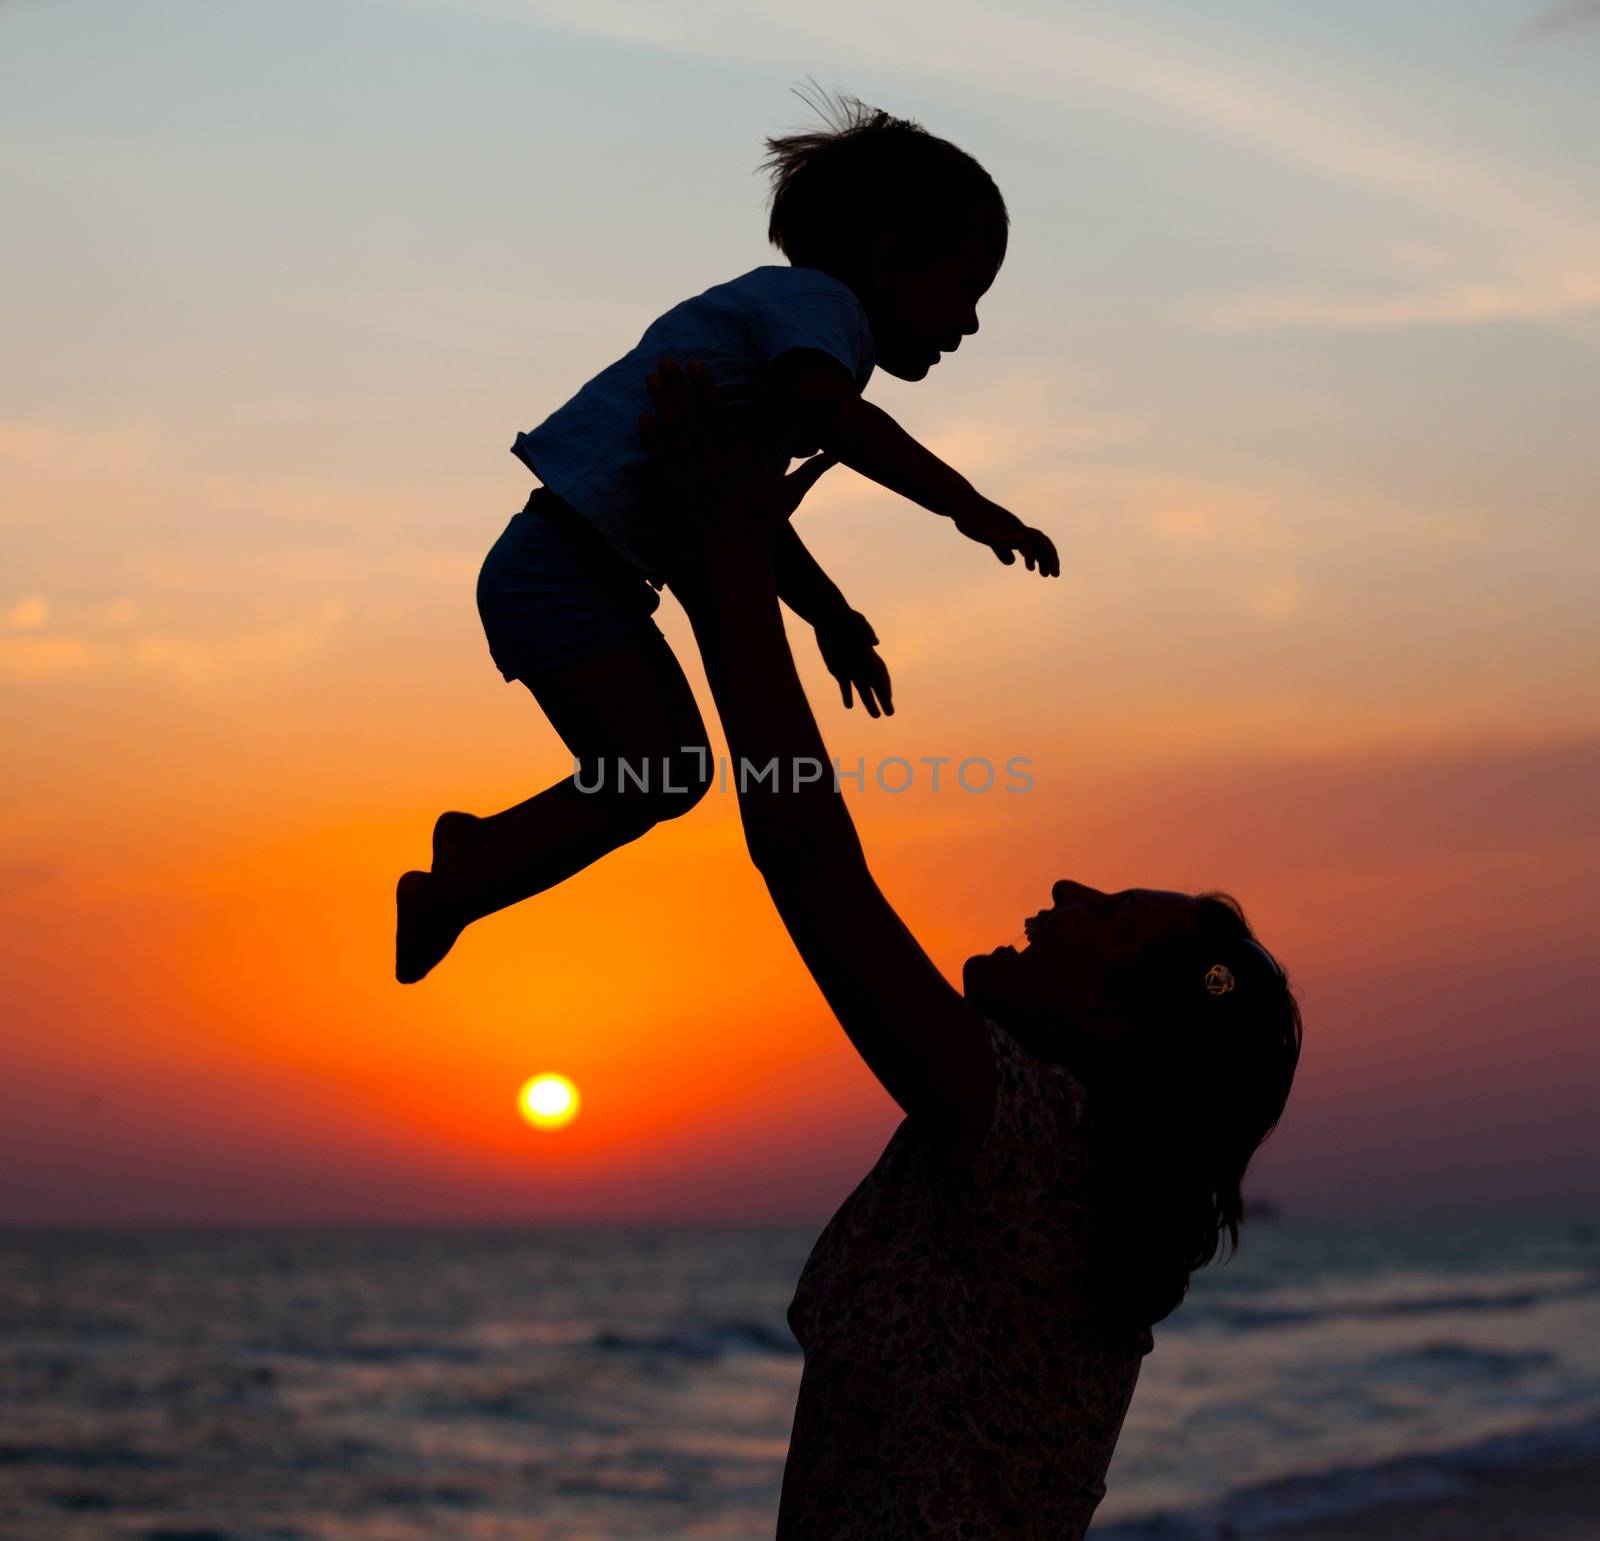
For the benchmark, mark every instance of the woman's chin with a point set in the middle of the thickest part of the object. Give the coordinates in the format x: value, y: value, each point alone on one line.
x: 983, y: 973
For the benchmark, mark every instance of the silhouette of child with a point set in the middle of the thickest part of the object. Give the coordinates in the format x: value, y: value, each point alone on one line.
x: 892, y: 236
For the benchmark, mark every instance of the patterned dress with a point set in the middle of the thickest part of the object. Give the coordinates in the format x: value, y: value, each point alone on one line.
x: 957, y: 1381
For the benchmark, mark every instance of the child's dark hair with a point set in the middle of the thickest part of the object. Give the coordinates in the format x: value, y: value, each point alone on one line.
x: 835, y: 189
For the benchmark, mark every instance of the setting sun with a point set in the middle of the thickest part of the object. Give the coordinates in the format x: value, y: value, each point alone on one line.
x: 548, y: 1101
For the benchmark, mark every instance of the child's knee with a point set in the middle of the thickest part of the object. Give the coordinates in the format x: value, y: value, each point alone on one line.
x: 647, y: 788
x: 685, y: 779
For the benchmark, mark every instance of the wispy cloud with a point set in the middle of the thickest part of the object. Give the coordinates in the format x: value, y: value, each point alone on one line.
x: 1519, y: 254
x: 200, y: 660
x: 191, y: 658
x: 1570, y: 17
x: 43, y: 658
x: 1572, y: 299
x: 28, y: 613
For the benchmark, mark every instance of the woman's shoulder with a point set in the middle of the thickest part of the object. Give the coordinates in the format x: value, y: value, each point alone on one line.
x: 1035, y: 1133
x: 1032, y: 1076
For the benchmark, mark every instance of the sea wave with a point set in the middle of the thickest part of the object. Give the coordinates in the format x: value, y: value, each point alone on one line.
x: 712, y: 1341
x: 627, y: 1383
x: 1458, y: 1360
x: 1246, y: 1316
x: 1313, y: 1497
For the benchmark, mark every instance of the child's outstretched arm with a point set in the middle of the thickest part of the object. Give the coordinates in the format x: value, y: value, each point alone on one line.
x: 869, y: 441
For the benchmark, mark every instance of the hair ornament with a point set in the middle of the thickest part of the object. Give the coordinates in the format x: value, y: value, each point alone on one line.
x: 1219, y: 979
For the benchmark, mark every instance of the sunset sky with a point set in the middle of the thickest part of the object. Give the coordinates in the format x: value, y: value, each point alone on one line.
x: 1296, y: 354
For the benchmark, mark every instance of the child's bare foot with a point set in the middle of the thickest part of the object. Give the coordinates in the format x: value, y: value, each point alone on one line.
x: 454, y: 834
x: 425, y: 929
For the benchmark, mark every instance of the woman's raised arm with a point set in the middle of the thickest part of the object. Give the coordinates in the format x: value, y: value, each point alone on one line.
x: 918, y: 1035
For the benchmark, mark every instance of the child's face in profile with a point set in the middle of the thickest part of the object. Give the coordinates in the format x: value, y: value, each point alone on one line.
x: 924, y: 311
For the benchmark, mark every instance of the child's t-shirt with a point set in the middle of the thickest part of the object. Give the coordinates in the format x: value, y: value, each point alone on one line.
x: 590, y: 453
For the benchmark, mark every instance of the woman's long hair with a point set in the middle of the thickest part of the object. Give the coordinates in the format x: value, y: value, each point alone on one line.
x: 1182, y: 1102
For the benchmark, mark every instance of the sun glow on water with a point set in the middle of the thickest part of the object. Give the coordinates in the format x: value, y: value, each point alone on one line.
x: 548, y: 1101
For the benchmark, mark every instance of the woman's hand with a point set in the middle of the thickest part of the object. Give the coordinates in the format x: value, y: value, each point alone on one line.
x: 726, y: 497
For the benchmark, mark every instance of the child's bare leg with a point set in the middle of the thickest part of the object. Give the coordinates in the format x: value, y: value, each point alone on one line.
x: 629, y: 703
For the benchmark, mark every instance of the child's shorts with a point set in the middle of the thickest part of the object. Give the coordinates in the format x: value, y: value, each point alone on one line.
x: 553, y: 590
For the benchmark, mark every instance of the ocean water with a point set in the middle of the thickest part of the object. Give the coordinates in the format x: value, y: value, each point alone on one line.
x: 513, y: 1384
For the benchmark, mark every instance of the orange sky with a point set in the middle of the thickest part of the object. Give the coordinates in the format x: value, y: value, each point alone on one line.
x: 199, y: 947
x: 1326, y: 636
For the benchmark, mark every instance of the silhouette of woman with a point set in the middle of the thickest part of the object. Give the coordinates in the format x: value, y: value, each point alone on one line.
x: 1078, y: 1117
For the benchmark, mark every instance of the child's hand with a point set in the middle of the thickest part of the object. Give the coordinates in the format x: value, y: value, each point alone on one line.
x: 847, y: 643
x: 991, y: 525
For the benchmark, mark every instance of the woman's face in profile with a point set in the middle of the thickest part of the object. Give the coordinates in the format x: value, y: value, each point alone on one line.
x: 1073, y: 947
